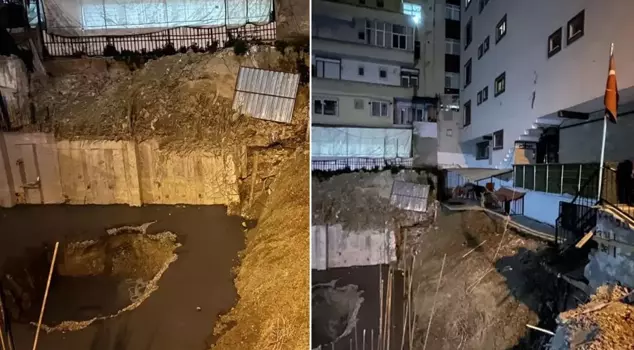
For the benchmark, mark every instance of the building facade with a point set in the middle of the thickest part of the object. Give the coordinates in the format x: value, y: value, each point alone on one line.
x: 524, y: 62
x: 371, y: 89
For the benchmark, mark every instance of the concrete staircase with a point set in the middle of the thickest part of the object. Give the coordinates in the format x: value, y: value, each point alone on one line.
x: 531, y: 134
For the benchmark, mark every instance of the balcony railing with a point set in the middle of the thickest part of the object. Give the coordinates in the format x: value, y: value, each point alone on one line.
x: 557, y: 178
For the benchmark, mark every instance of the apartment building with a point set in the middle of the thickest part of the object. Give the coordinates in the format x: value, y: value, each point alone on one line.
x: 369, y: 85
x: 533, y: 78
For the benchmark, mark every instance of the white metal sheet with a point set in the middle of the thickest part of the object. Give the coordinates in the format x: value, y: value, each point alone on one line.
x: 410, y: 196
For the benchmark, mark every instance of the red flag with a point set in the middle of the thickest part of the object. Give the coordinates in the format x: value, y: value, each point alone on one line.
x: 611, y: 99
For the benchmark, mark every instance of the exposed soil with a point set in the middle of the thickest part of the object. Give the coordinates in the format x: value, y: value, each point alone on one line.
x: 486, y: 298
x: 273, y: 279
x: 169, y: 318
x: 361, y: 200
x: 183, y: 100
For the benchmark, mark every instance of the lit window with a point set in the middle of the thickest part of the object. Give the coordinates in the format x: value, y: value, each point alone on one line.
x: 500, y: 29
x: 413, y: 10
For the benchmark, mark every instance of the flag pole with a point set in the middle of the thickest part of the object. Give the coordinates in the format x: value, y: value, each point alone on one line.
x: 605, y: 129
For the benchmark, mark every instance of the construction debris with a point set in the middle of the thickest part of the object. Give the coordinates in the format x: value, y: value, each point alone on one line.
x: 605, y: 322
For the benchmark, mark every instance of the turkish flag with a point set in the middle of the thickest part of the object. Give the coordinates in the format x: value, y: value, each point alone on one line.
x: 611, y: 99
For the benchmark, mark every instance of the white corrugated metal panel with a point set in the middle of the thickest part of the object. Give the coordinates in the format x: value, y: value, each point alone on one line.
x: 410, y: 196
x: 266, y: 94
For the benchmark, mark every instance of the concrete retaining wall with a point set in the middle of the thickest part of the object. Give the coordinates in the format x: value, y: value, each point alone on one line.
x: 614, y: 260
x: 332, y: 246
x: 37, y: 169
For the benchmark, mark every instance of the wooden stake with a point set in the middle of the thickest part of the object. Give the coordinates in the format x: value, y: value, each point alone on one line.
x: 388, y: 316
x: 433, y: 308
x: 380, y: 307
x: 2, y: 339
x: 48, y: 284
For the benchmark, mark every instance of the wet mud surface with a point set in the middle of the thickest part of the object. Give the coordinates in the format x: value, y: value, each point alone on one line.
x: 169, y: 319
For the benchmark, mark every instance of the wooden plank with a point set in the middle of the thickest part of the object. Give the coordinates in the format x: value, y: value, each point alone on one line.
x: 584, y: 240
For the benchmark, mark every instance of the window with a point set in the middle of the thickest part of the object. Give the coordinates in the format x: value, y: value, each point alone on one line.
x: 485, y: 93
x: 498, y: 139
x: 575, y: 27
x: 362, y: 2
x: 399, y: 38
x: 467, y: 114
x: 449, y: 132
x: 452, y: 80
x: 382, y: 73
x: 467, y: 73
x: 554, y: 42
x: 361, y: 70
x: 500, y: 30
x: 483, y: 4
x: 485, y: 45
x: 362, y: 36
x: 413, y: 10
x: 327, y: 68
x: 480, y: 50
x: 479, y: 97
x: 379, y: 109
x: 482, y: 150
x: 325, y: 107
x: 409, y: 78
x: 379, y: 3
x: 375, y: 33
x: 358, y: 103
x: 468, y: 33
x: 452, y: 47
x: 500, y: 84
x: 452, y: 12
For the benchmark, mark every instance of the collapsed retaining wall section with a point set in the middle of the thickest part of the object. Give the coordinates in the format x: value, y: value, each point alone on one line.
x: 37, y: 169
x: 614, y: 260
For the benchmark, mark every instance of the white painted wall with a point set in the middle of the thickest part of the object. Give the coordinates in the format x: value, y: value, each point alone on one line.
x: 574, y: 75
x: 332, y: 247
x: 350, y: 71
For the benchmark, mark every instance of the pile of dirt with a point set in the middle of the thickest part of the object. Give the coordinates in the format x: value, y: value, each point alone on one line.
x: 272, y: 279
x: 492, y: 284
x: 606, y: 322
x: 183, y: 100
x: 361, y: 200
x: 92, y: 280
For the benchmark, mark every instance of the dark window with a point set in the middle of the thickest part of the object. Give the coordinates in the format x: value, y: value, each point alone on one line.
x: 479, y: 97
x: 467, y: 114
x: 500, y: 30
x: 382, y: 73
x: 361, y: 71
x: 485, y: 93
x: 485, y: 45
x: 362, y: 2
x: 362, y: 36
x: 483, y: 4
x: 468, y: 33
x: 482, y: 150
x: 500, y: 84
x: 575, y: 27
x: 480, y: 51
x: 554, y: 43
x: 467, y: 73
x: 498, y: 139
x: 379, y: 3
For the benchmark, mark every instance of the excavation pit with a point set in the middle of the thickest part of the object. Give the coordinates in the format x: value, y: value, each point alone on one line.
x: 92, y: 280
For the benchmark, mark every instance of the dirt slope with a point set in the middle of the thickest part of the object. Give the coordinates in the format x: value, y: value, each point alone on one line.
x: 273, y: 277
x: 486, y: 298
